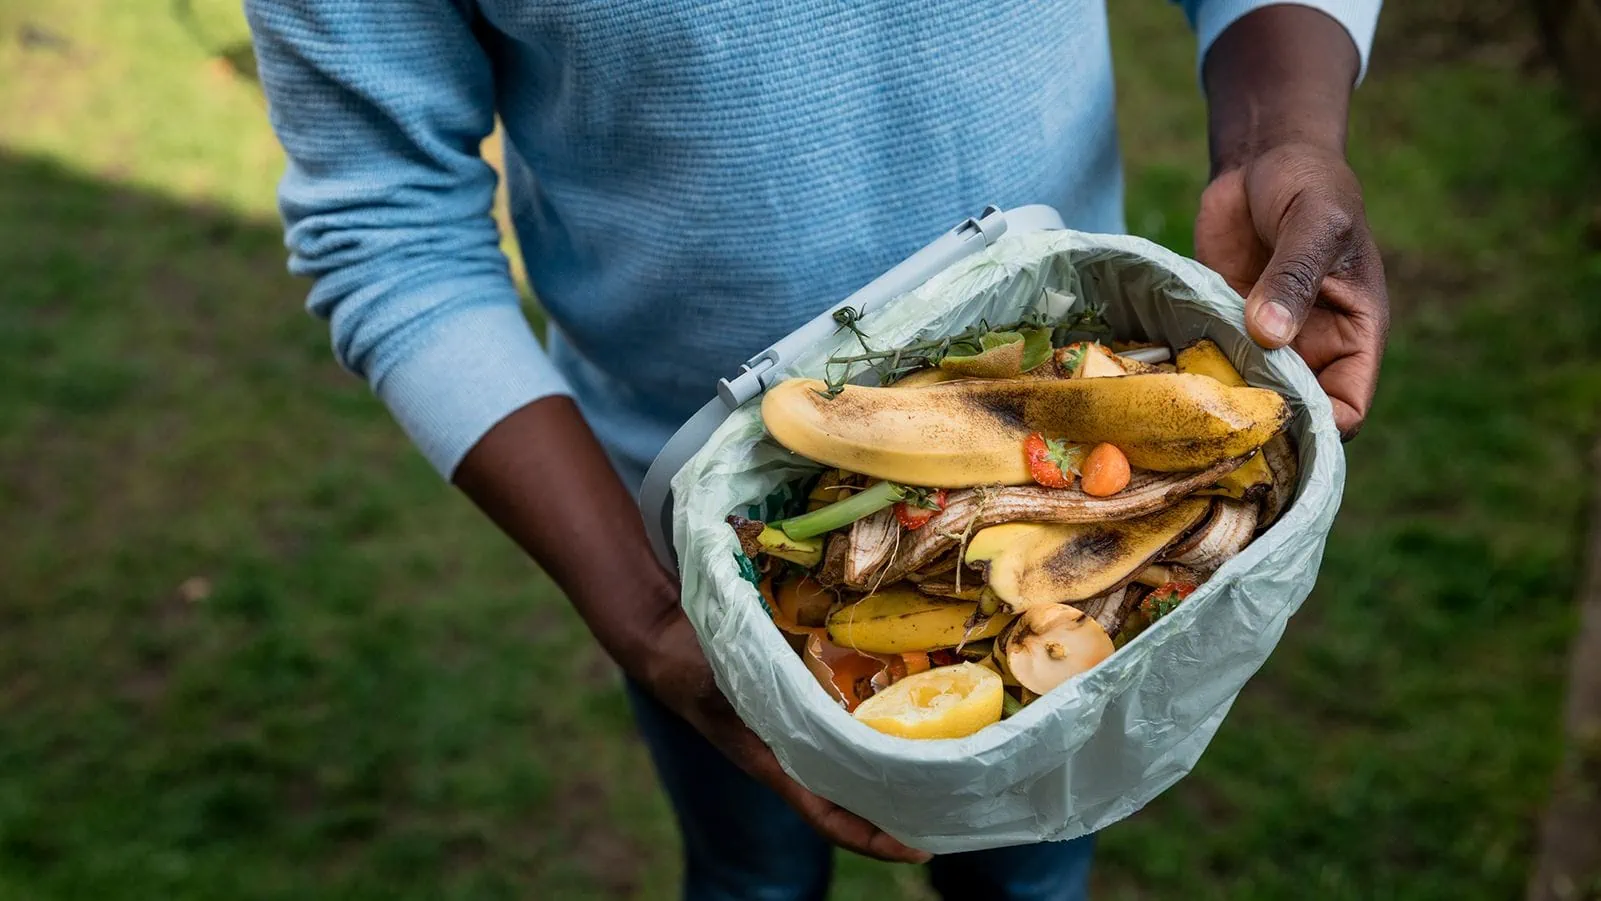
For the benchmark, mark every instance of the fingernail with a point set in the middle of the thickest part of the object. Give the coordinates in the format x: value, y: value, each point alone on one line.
x: 1273, y: 319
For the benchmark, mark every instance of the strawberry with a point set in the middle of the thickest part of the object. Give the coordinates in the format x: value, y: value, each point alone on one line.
x: 1052, y: 462
x: 915, y: 512
x: 1162, y: 601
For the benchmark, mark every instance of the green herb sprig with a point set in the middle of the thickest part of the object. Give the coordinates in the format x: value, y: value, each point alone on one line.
x: 892, y: 364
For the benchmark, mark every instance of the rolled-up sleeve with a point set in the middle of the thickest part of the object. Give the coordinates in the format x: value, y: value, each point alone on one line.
x: 1211, y: 18
x: 381, y: 106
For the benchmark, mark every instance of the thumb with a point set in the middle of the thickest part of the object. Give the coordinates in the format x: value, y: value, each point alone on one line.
x: 1307, y: 248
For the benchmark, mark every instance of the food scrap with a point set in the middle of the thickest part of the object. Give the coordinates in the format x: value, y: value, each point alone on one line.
x: 1002, y: 515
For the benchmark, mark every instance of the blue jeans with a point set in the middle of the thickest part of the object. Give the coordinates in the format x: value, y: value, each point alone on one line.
x: 743, y: 843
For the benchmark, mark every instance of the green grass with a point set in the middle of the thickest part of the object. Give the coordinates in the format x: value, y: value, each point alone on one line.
x: 250, y: 647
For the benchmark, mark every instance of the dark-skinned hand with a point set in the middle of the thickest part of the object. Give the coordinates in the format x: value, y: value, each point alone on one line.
x: 1287, y: 230
x: 1283, y: 219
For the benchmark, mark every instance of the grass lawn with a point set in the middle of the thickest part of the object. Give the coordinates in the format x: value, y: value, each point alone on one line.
x: 250, y: 647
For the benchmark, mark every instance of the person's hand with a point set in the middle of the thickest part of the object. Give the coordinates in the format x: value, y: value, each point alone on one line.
x: 677, y: 673
x: 1287, y: 230
x: 544, y: 479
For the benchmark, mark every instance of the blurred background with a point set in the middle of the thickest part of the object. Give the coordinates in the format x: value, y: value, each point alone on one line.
x: 251, y: 647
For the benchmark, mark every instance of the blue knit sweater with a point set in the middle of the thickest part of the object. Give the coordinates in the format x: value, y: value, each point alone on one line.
x: 689, y: 179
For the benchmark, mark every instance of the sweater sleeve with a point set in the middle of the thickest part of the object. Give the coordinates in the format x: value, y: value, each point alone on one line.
x: 1211, y: 18
x: 381, y: 106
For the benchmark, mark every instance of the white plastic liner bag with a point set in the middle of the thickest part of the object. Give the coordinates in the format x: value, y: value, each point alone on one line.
x: 1102, y: 745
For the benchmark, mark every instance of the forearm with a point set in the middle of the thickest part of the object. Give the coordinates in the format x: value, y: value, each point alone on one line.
x: 1280, y: 75
x: 541, y: 476
x: 1282, y: 220
x: 381, y: 108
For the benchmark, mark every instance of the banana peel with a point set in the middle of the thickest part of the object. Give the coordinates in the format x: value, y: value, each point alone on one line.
x: 976, y: 651
x: 968, y: 511
x: 832, y: 487
x: 1030, y: 565
x: 872, y: 543
x: 836, y: 552
x: 1225, y: 533
x: 1267, y: 479
x: 899, y: 619
x: 1280, y: 456
x: 970, y: 432
x: 1159, y: 574
x: 972, y: 589
x: 925, y: 377
x: 1204, y: 357
x: 1253, y: 480
x: 941, y: 566
x: 1111, y: 609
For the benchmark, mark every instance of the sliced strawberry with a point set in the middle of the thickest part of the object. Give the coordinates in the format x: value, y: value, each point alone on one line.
x: 915, y: 512
x: 1052, y: 462
x: 913, y: 518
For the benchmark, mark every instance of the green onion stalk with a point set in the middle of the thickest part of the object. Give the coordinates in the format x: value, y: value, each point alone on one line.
x: 842, y: 513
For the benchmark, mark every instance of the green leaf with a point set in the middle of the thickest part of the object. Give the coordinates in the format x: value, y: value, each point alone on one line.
x: 1036, y: 348
x: 992, y: 340
x: 986, y: 342
x: 995, y: 355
